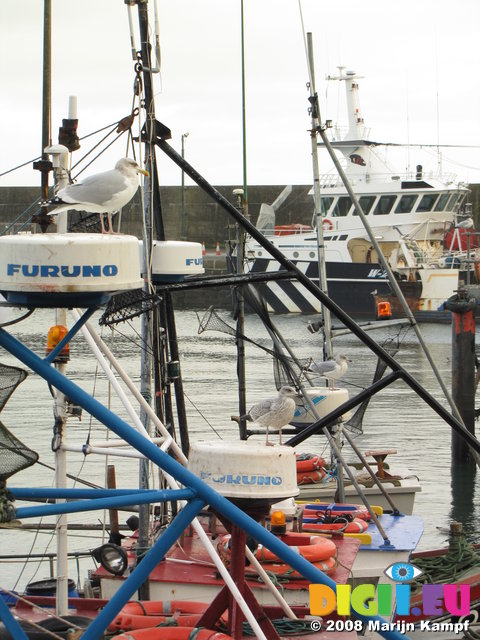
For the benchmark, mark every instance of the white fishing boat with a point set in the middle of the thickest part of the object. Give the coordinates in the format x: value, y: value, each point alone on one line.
x: 418, y: 219
x: 63, y: 271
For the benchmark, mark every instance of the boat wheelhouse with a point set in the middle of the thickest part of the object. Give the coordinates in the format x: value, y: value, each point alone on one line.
x: 411, y: 215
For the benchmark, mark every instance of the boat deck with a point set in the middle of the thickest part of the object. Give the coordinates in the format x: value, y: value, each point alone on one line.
x: 187, y: 573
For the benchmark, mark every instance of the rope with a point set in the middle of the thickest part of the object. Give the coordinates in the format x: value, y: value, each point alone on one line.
x: 472, y: 633
x: 446, y: 568
x: 284, y: 627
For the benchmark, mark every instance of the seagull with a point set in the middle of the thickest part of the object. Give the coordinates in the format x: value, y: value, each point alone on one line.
x: 101, y: 193
x: 273, y: 413
x: 465, y: 224
x: 330, y: 369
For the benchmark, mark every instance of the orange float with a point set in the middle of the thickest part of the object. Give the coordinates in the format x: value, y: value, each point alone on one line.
x: 147, y: 614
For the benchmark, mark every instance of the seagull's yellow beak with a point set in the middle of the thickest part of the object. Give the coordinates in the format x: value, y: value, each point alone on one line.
x: 144, y: 171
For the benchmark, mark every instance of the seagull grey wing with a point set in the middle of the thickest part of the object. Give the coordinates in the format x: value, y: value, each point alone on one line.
x: 323, y: 367
x: 97, y: 190
x: 260, y: 409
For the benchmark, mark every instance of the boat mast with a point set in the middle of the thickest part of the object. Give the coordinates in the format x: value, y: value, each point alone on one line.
x: 154, y: 227
x: 322, y: 272
x: 240, y: 256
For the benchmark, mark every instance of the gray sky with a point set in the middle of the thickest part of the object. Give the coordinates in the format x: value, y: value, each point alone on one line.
x: 419, y: 58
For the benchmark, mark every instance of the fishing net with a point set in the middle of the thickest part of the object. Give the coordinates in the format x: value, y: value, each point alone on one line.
x: 128, y: 305
x: 355, y: 424
x: 10, y: 378
x: 14, y: 455
x: 211, y: 321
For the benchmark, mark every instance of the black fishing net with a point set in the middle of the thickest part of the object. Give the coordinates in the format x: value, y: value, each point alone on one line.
x: 211, y: 321
x: 355, y: 423
x: 14, y: 455
x: 10, y: 378
x: 127, y: 305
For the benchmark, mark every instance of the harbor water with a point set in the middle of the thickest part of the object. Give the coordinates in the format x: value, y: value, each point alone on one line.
x: 395, y: 419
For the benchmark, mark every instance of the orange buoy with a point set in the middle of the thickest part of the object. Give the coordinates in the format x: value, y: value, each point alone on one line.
x: 310, y: 477
x: 173, y: 633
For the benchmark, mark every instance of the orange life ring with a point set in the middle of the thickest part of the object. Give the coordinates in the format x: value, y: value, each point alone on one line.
x: 311, y: 463
x: 327, y: 566
x: 327, y: 224
x: 173, y: 633
x: 146, y: 614
x: 154, y: 607
x: 310, y: 477
x: 130, y: 622
x: 312, y: 548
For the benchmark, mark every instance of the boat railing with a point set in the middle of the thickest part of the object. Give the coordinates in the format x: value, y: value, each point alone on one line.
x: 332, y: 180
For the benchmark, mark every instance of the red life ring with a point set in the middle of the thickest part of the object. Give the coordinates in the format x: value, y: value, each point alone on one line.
x: 327, y: 566
x: 154, y: 607
x: 327, y: 224
x: 310, y: 477
x: 173, y: 633
x: 311, y: 463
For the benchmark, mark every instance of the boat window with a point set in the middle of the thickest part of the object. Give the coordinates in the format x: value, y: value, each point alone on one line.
x: 406, y: 203
x: 427, y: 202
x: 366, y: 202
x: 384, y: 205
x: 442, y: 201
x: 451, y: 203
x: 342, y: 206
x: 325, y: 204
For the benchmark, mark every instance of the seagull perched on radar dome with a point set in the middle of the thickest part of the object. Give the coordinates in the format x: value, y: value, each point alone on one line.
x: 330, y: 369
x: 273, y: 413
x: 101, y: 193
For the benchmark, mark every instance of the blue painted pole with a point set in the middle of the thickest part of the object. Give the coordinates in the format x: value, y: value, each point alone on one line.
x: 98, y: 504
x: 28, y: 493
x: 143, y: 569
x: 175, y: 469
x: 10, y: 623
